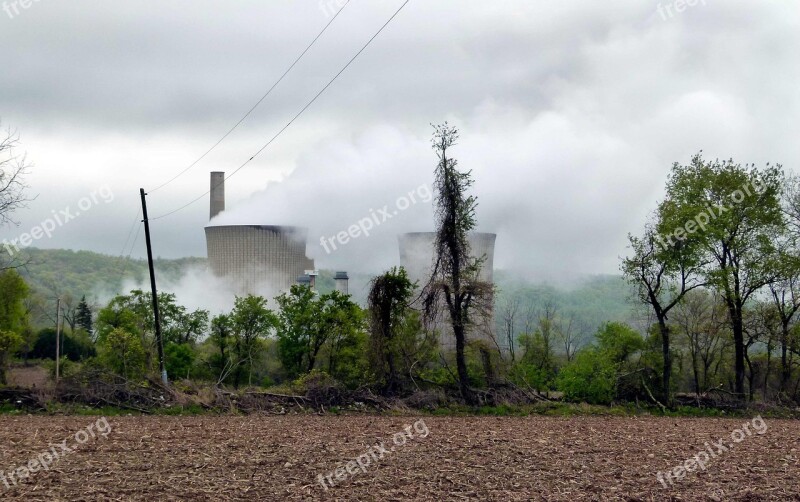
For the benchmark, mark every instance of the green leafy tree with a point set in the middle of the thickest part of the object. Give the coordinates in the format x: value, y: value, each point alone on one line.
x: 224, y: 361
x: 743, y: 216
x: 251, y: 320
x: 9, y: 343
x: 75, y: 346
x: 298, y: 333
x: 308, y: 323
x: 345, y: 323
x: 13, y: 291
x: 594, y: 375
x: 591, y: 377
x: 134, y: 313
x: 179, y: 359
x: 122, y: 351
x: 663, y: 276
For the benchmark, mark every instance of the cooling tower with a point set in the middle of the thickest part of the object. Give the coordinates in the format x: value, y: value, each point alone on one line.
x: 258, y: 259
x: 217, y: 194
x: 416, y: 256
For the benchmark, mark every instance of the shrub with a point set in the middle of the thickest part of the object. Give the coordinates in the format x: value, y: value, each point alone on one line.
x: 122, y: 352
x: 591, y: 377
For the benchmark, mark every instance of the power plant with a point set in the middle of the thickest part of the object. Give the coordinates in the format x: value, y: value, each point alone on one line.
x: 255, y: 259
x: 417, y: 257
x: 417, y: 250
x: 268, y: 259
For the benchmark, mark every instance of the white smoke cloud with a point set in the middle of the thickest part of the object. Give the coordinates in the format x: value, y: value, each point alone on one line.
x: 538, y: 180
x: 197, y: 288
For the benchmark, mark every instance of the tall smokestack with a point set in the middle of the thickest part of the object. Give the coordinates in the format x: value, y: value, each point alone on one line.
x: 342, y: 280
x: 217, y: 193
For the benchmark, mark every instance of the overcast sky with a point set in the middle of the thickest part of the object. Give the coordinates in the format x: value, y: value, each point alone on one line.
x: 571, y: 115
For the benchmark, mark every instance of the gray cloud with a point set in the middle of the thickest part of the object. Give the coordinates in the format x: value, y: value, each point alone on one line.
x: 571, y: 114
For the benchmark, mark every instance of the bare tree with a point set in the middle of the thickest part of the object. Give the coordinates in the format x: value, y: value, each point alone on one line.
x: 702, y: 319
x: 13, y: 168
x: 509, y: 312
x: 566, y: 332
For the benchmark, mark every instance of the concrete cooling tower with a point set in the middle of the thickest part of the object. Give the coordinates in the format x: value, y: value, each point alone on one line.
x: 416, y: 256
x: 257, y: 259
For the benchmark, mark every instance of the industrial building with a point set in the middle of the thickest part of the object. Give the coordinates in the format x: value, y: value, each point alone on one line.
x: 417, y: 257
x: 268, y: 259
x: 254, y: 259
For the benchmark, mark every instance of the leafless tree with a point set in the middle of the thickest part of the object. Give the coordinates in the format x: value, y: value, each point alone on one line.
x: 566, y: 332
x: 509, y: 314
x: 702, y: 319
x: 13, y: 168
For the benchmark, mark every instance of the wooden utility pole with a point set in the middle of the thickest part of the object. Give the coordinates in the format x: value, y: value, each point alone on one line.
x: 58, y: 337
x: 159, y: 341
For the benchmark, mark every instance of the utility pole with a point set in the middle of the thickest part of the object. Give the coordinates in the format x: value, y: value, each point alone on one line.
x: 58, y: 337
x: 159, y: 341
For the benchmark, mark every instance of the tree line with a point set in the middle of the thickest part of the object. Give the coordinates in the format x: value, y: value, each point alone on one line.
x: 715, y: 270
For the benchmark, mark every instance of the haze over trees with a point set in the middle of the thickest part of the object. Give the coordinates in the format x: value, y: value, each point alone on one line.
x: 715, y: 271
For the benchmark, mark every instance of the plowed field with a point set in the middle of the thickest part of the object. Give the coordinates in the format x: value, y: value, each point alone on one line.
x: 276, y: 458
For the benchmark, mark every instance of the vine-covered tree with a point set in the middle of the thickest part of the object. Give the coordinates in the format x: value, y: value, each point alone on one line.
x: 389, y: 307
x: 455, y: 276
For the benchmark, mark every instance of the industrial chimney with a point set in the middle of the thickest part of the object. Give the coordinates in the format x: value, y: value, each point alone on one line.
x: 217, y: 193
x: 342, y: 280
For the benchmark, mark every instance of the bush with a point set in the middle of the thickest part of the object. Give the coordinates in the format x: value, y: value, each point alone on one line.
x: 591, y: 377
x: 528, y: 375
x: 122, y: 352
x: 76, y: 346
x: 9, y: 343
x: 179, y: 359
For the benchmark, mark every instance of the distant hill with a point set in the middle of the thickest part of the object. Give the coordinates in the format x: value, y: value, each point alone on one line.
x: 54, y: 272
x: 590, y: 303
x: 58, y: 272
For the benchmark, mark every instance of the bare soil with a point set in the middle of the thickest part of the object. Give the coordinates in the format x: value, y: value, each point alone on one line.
x: 29, y: 377
x: 275, y: 458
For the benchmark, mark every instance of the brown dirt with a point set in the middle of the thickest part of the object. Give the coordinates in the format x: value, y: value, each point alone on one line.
x: 29, y: 377
x: 280, y: 458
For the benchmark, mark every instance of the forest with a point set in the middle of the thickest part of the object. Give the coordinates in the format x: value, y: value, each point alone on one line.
x: 703, y: 313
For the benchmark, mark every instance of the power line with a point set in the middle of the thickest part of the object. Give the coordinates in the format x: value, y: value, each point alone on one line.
x: 130, y: 232
x: 251, y: 110
x: 303, y: 110
x: 123, y: 264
